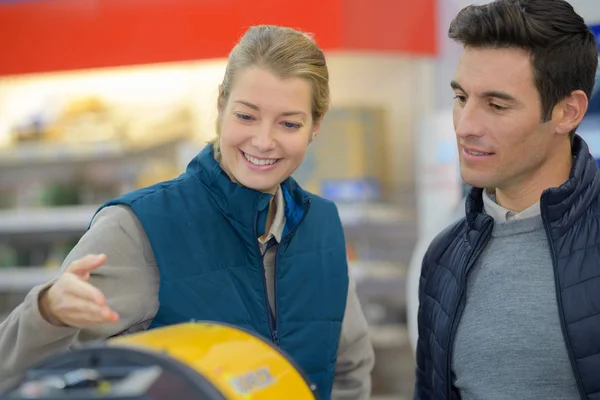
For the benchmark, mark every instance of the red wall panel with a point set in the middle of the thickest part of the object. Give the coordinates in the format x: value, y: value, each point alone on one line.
x: 50, y: 35
x: 391, y: 25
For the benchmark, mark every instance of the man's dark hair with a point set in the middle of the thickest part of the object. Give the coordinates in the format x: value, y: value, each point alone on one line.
x: 563, y: 50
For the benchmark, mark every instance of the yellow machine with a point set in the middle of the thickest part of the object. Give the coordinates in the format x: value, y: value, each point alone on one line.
x: 200, y: 361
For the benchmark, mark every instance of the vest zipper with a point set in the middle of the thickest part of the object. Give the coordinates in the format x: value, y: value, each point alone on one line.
x: 273, y: 311
x: 460, y: 307
x: 272, y: 314
x: 563, y: 324
x: 275, y: 332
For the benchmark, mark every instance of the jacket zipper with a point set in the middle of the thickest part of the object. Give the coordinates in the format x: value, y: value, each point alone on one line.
x: 460, y: 307
x: 561, y: 313
x: 272, y: 314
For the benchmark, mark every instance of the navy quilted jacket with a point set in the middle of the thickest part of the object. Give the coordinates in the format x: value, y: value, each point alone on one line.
x: 571, y: 215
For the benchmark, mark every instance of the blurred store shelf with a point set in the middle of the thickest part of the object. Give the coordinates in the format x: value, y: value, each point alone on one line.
x: 46, y: 220
x: 371, y: 269
x: 388, y: 336
x: 77, y: 218
x: 375, y: 213
x: 44, y: 153
x: 22, y: 279
x: 39, y: 154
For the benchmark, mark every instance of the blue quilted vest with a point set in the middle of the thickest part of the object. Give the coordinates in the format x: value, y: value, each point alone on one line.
x: 203, y: 229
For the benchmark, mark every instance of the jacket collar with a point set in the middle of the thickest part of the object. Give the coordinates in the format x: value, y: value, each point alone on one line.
x: 561, y: 206
x: 564, y: 205
x: 245, y: 207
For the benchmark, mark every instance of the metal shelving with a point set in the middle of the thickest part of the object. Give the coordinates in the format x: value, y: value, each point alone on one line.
x: 22, y: 279
x: 77, y: 218
x: 46, y: 220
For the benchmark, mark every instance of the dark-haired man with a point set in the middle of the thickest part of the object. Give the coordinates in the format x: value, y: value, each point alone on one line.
x: 510, y: 295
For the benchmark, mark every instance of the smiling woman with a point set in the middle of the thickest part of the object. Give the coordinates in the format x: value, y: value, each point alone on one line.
x: 271, y: 103
x: 266, y: 127
x: 234, y: 239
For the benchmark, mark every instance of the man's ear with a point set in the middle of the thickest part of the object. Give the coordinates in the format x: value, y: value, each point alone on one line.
x: 569, y: 112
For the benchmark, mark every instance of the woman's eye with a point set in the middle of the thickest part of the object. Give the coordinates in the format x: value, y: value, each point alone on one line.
x: 292, y: 125
x: 244, y: 117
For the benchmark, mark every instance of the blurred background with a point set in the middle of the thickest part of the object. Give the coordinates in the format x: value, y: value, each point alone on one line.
x: 99, y: 97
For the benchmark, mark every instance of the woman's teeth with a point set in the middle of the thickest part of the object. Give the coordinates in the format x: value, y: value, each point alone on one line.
x: 259, y: 161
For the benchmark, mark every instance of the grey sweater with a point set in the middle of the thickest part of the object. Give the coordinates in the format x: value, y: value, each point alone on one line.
x: 129, y: 280
x: 509, y: 343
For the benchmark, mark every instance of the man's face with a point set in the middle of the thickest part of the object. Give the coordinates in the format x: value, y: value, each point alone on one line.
x: 501, y: 139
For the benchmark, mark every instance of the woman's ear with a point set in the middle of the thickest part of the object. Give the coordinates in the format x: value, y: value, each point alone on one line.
x: 220, y: 100
x: 316, y: 128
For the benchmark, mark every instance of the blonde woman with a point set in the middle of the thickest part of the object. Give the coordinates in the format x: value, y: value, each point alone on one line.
x: 233, y: 239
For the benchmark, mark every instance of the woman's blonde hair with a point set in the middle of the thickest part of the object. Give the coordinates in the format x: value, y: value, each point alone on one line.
x: 286, y: 52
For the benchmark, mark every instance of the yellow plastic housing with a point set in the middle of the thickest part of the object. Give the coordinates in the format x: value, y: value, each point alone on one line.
x: 237, y: 363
